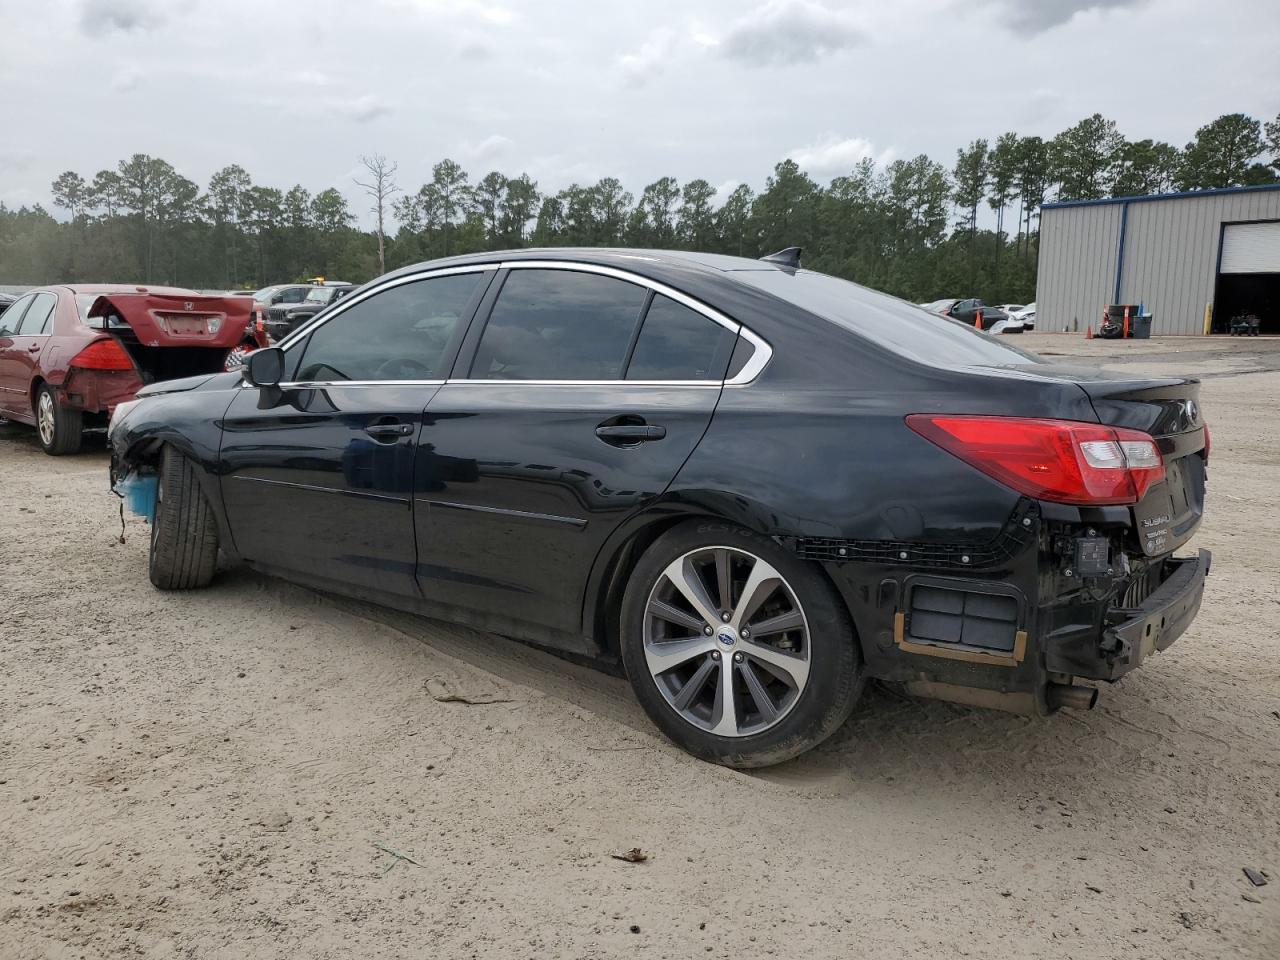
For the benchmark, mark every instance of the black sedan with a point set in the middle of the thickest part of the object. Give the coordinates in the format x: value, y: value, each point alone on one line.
x: 284, y: 318
x: 751, y: 485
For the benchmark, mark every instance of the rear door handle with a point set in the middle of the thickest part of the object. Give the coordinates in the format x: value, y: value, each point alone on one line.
x: 389, y: 431
x: 631, y: 432
x: 34, y: 348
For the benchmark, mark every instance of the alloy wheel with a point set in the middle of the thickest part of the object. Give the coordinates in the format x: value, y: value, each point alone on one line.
x: 726, y: 641
x: 45, y: 418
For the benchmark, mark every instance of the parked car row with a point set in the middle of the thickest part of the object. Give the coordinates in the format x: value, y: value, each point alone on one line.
x: 974, y: 312
x: 70, y: 354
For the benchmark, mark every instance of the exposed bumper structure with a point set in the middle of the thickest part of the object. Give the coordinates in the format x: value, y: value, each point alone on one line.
x: 1132, y: 634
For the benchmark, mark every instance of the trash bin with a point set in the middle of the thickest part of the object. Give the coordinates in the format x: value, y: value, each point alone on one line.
x: 1140, y: 326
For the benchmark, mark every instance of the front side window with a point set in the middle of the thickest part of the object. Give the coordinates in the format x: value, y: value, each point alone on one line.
x: 37, y: 319
x: 401, y: 333
x: 559, y: 325
x: 677, y: 343
x: 293, y: 294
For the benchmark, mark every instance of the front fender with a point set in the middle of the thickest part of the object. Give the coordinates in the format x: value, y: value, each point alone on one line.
x: 189, y: 421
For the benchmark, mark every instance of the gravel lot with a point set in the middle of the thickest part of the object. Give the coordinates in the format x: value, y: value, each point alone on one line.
x: 224, y: 774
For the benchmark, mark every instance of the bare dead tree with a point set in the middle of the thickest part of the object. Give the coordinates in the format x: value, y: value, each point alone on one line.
x: 381, y: 186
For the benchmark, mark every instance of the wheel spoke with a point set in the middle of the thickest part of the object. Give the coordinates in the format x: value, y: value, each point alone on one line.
x: 725, y: 719
x: 779, y: 624
x: 694, y: 686
x: 686, y: 579
x: 761, y: 582
x: 764, y: 703
x: 667, y: 654
x: 666, y: 611
x: 724, y: 579
x: 788, y: 667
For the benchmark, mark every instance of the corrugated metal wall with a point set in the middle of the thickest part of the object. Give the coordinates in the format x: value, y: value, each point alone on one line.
x: 1077, y: 271
x: 1170, y: 257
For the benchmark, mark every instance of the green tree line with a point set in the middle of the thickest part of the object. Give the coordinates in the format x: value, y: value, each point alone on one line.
x: 913, y: 227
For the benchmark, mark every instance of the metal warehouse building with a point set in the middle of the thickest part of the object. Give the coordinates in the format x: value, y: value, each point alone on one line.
x: 1178, y: 254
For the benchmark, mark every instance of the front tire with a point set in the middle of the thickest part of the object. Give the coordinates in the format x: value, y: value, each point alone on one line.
x: 61, y: 431
x: 740, y: 652
x: 184, y: 534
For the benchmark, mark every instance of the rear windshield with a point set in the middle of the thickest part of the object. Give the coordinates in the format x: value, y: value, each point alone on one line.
x: 894, y: 324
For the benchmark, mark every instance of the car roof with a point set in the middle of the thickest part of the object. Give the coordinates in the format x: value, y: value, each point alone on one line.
x: 622, y: 257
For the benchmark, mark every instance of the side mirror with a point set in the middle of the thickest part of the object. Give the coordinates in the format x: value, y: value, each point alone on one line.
x: 265, y: 367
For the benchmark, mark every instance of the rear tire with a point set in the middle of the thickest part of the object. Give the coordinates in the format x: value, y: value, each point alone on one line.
x: 184, y: 534
x: 59, y: 430
x: 782, y: 640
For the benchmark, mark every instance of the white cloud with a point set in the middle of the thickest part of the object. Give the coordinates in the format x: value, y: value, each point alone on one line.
x: 312, y: 78
x: 784, y: 32
x: 486, y: 149
x: 723, y: 191
x: 650, y: 58
x: 833, y: 154
x: 1029, y: 18
x: 126, y: 78
x: 126, y: 16
x: 491, y: 13
x: 361, y: 109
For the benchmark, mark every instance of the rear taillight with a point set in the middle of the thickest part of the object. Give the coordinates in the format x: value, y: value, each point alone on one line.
x: 1206, y: 443
x: 102, y: 355
x: 1059, y: 460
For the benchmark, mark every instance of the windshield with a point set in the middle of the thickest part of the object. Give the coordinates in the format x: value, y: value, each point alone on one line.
x: 894, y: 324
x: 265, y: 292
x: 319, y: 295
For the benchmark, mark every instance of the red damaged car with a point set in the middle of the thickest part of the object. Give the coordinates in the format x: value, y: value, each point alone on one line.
x: 69, y: 354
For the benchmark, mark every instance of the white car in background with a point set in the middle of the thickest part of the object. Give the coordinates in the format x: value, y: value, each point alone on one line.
x: 1024, y: 312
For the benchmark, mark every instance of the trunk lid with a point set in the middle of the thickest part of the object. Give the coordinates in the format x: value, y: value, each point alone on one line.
x: 168, y: 336
x: 1168, y: 408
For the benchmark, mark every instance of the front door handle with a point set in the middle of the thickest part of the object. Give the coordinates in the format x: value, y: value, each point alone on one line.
x: 34, y: 348
x: 388, y: 432
x: 630, y: 432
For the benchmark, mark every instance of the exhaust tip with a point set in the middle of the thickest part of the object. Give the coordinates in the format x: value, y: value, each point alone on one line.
x: 1060, y: 695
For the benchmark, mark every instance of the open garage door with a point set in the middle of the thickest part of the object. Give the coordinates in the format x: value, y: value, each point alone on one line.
x: 1249, y: 276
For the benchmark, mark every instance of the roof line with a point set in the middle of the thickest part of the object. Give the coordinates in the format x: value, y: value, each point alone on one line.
x: 1141, y: 198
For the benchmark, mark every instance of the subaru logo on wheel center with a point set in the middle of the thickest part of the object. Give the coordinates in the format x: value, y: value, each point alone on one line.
x: 726, y: 638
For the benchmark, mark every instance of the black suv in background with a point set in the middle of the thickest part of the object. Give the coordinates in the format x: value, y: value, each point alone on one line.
x: 282, y: 319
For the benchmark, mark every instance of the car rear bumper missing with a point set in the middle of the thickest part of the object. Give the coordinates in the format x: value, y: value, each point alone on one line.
x: 1130, y: 634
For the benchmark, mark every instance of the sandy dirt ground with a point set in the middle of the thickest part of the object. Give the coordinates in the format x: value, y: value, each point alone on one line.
x: 226, y: 773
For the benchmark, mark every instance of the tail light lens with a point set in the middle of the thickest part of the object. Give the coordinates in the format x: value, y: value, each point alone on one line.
x: 103, y: 354
x: 1059, y: 460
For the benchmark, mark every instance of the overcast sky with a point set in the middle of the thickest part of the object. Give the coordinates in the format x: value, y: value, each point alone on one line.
x: 573, y: 90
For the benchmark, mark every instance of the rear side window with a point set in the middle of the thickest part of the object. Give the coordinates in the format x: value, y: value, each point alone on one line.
x: 887, y: 321
x: 401, y: 333
x: 677, y: 343
x: 37, y: 319
x: 559, y: 325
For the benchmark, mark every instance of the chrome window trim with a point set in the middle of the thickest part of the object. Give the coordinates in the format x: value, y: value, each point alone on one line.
x: 350, y: 300
x: 759, y: 359
x: 707, y: 384
x: 322, y: 384
x: 761, y: 355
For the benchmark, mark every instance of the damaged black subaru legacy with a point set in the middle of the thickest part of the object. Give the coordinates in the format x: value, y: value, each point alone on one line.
x: 752, y: 485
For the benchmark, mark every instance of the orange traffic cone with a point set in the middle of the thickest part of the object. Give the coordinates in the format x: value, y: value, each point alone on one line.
x: 1125, y: 333
x: 1088, y: 332
x: 977, y: 320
